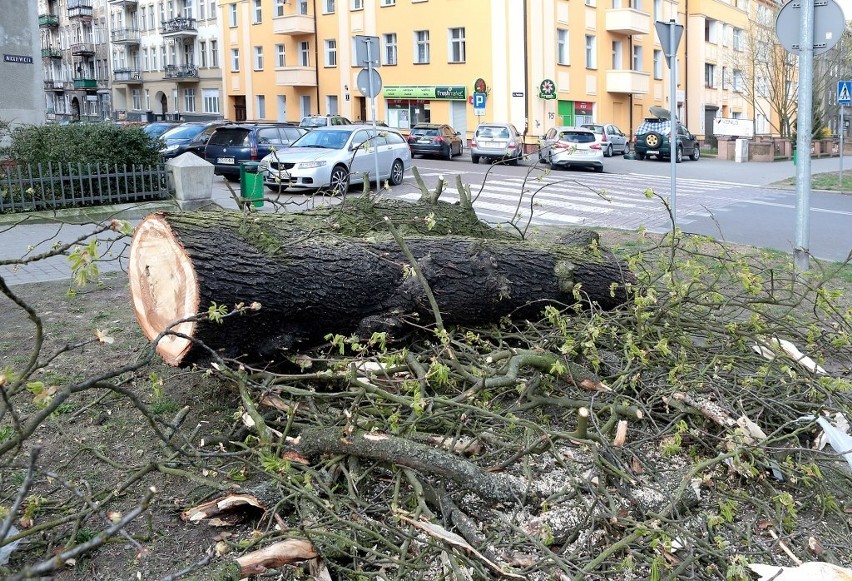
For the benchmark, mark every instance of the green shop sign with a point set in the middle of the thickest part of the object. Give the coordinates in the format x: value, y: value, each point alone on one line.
x: 423, y: 92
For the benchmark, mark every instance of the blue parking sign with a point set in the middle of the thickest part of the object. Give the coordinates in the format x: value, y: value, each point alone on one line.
x: 844, y: 92
x: 479, y: 100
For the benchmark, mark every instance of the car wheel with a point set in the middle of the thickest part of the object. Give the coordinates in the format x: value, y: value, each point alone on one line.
x: 474, y: 158
x: 461, y: 149
x: 339, y: 181
x: 640, y: 156
x: 397, y: 173
x: 449, y: 155
x: 653, y: 140
x: 608, y: 151
x: 679, y: 154
x: 626, y: 149
x: 696, y: 153
x: 598, y: 169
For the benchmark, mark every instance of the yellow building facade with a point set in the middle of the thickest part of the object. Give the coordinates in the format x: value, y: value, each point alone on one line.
x: 533, y: 63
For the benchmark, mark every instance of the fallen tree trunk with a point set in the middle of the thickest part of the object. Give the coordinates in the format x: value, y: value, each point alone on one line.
x: 310, y: 281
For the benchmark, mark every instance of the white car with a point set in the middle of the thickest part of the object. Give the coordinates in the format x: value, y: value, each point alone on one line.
x: 571, y: 147
x: 334, y: 157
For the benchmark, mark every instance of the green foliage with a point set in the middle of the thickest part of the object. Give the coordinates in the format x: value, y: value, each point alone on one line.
x: 83, y: 143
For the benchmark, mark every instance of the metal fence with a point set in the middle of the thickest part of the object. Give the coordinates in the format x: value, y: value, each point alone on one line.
x: 51, y: 186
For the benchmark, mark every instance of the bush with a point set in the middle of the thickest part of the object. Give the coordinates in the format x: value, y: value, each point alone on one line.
x: 83, y: 143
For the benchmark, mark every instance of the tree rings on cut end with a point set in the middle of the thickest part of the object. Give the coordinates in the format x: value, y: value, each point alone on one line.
x: 163, y: 287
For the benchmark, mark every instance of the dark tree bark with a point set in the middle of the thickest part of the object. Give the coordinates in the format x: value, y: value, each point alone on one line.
x: 310, y: 281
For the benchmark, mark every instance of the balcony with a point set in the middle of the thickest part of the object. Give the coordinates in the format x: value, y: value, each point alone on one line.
x: 124, y: 3
x: 85, y: 83
x: 83, y: 49
x: 51, y: 53
x: 185, y: 73
x: 628, y: 21
x: 125, y: 36
x: 180, y: 27
x: 296, y: 77
x: 55, y: 86
x: 293, y: 24
x: 127, y: 76
x: 627, y: 81
x: 81, y: 9
x: 48, y: 21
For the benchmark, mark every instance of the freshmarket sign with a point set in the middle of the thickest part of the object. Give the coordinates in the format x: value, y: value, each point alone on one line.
x: 455, y: 93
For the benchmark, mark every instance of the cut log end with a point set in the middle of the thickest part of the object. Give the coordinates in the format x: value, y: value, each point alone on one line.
x: 164, y: 287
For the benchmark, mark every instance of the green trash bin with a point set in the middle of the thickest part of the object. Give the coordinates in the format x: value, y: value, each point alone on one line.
x: 795, y: 156
x: 251, y: 182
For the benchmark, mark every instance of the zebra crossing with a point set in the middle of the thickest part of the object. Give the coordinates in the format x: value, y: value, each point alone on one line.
x: 580, y: 198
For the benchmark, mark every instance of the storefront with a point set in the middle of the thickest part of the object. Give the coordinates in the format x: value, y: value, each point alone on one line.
x: 575, y: 112
x: 407, y: 105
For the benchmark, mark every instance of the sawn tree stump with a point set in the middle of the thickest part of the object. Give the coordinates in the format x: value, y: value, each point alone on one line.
x: 310, y: 281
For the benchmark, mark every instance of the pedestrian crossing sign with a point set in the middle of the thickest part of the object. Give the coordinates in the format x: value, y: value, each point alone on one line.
x: 844, y: 92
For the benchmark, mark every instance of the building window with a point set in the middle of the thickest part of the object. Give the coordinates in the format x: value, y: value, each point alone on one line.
x: 214, y: 53
x: 738, y: 39
x: 357, y: 4
x: 591, y: 3
x: 258, y: 58
x: 280, y: 56
x: 258, y: 12
x: 279, y: 7
x: 617, y: 50
x: 235, y: 60
x: 457, y: 45
x: 261, y: 107
x: 304, y: 54
x: 328, y: 7
x: 147, y: 99
x: 146, y: 64
x: 658, y: 64
x: 591, y: 52
x: 232, y: 15
x: 302, y: 7
x: 189, y: 100
x: 726, y: 82
x: 202, y: 46
x: 421, y: 46
x: 709, y: 75
x: 211, y: 100
x: 562, y: 46
x: 711, y: 31
x: 331, y: 53
x: 388, y: 2
x: 136, y: 97
x: 738, y: 81
x: 658, y: 10
x: 637, y: 58
x: 390, y: 49
x: 212, y: 10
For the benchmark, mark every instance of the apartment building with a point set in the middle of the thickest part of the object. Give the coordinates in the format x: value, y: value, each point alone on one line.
x: 75, y: 59
x: 21, y: 93
x: 165, y: 60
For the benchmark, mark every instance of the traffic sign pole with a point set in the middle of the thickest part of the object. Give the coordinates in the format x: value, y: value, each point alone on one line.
x: 844, y: 97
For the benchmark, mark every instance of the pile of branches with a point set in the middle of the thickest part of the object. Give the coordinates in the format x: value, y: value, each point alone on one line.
x: 680, y: 435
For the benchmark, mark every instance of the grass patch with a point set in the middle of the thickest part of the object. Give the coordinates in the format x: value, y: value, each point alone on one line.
x: 830, y: 181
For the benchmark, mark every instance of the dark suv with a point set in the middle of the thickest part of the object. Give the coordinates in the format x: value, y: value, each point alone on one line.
x: 653, y: 136
x: 232, y: 144
x: 189, y: 137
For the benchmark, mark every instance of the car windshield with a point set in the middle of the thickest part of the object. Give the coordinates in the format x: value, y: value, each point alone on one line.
x: 183, y: 132
x: 314, y: 122
x: 326, y: 139
x: 596, y: 128
x: 157, y: 129
x: 494, y: 132
x: 230, y: 137
x: 416, y: 131
x: 577, y: 136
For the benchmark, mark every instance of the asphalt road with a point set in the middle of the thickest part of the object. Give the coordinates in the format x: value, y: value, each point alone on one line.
x: 726, y: 200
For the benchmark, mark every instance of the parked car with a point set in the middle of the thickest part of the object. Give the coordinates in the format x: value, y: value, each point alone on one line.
x: 333, y: 157
x: 235, y: 143
x: 313, y: 121
x: 497, y: 141
x: 568, y: 147
x: 610, y: 138
x: 435, y: 139
x: 190, y: 137
x: 157, y: 128
x: 654, y: 135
